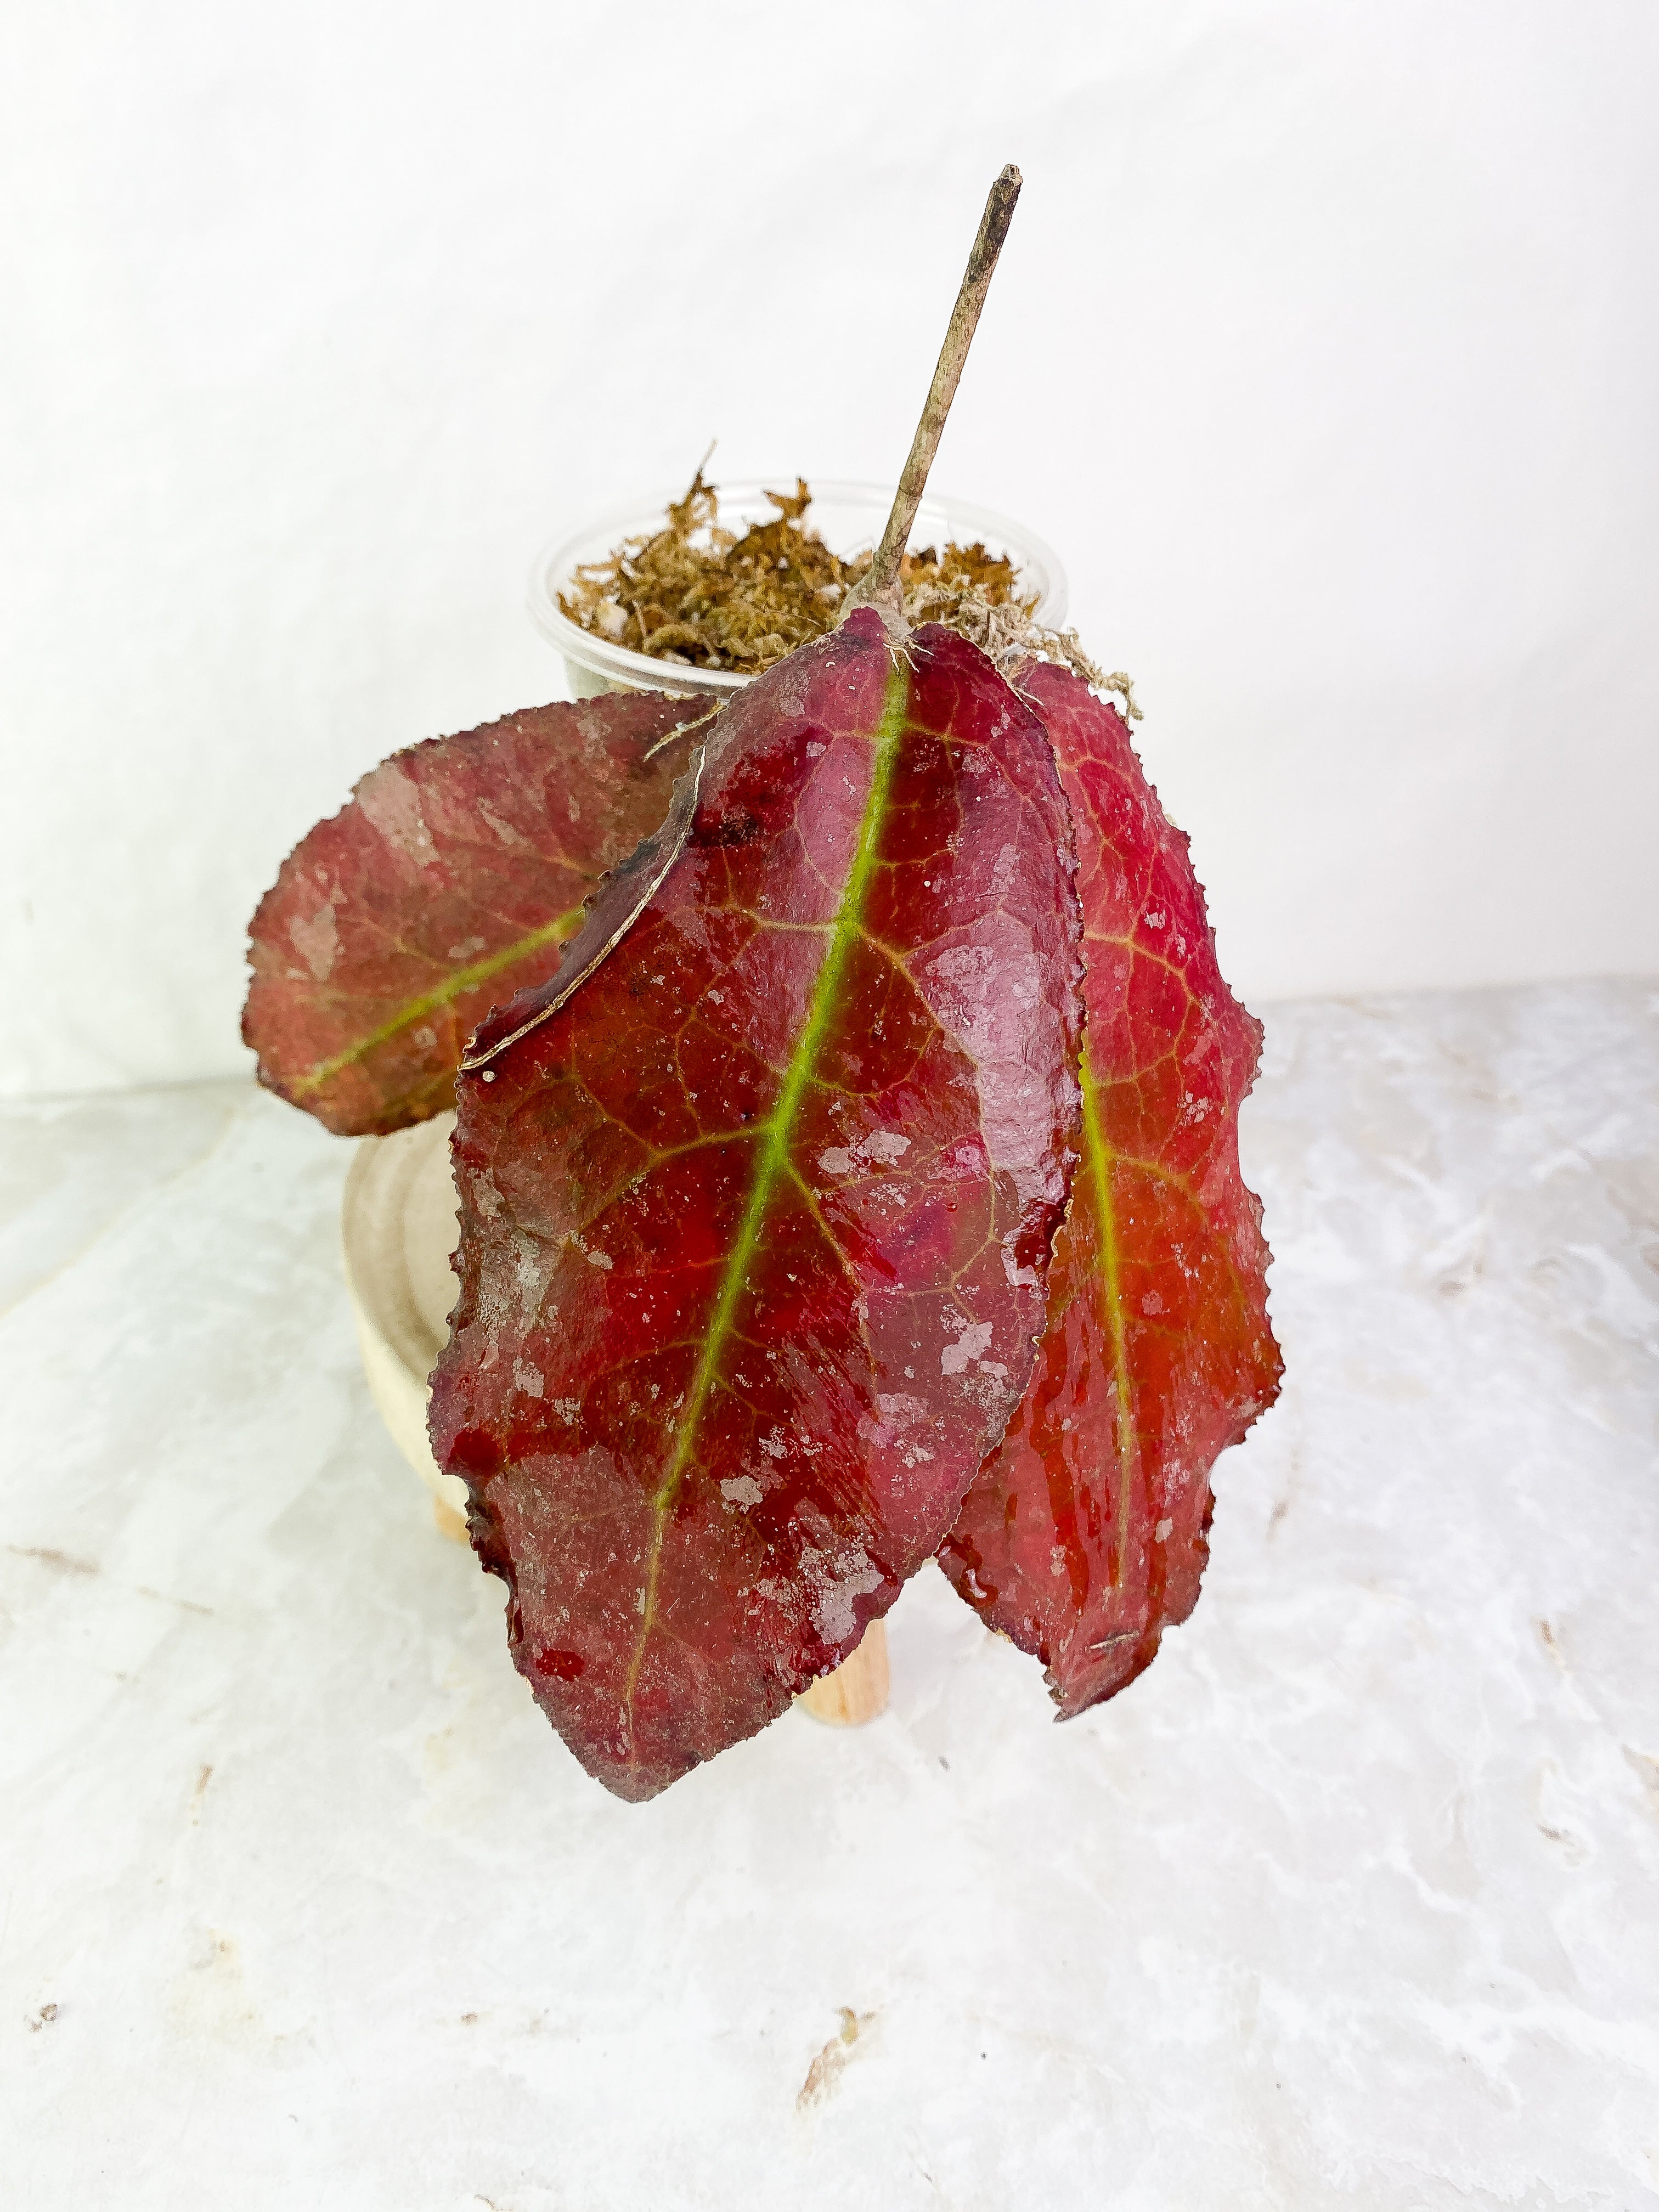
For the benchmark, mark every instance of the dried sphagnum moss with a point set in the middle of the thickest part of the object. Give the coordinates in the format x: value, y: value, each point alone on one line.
x: 695, y: 595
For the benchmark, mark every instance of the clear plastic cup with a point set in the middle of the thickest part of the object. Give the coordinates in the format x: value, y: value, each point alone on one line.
x: 848, y: 517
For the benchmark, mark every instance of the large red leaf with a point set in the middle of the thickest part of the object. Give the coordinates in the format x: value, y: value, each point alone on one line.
x: 754, y: 1222
x: 1085, y: 1533
x: 447, y: 882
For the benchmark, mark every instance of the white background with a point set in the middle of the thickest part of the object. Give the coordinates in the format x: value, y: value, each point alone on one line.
x: 1323, y: 352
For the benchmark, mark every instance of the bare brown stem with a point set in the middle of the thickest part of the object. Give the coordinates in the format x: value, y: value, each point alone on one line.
x: 879, y: 586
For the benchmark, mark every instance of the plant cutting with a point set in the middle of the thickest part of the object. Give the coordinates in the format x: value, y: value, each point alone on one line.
x: 846, y: 1146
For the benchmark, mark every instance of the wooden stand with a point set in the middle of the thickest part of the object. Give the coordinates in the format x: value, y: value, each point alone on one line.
x: 857, y: 1691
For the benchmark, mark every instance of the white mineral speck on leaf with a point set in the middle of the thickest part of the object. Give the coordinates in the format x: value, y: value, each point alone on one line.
x: 316, y: 941
x: 884, y: 1145
x: 973, y: 1343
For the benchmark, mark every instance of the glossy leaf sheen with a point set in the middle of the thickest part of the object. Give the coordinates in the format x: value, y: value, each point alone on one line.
x: 755, y: 1226
x: 447, y: 884
x: 1085, y: 1533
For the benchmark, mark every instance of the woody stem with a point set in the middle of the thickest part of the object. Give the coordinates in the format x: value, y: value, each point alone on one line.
x: 880, y: 584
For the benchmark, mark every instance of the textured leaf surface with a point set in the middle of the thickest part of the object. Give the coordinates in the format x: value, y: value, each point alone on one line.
x: 755, y: 1226
x: 1085, y: 1533
x: 447, y: 884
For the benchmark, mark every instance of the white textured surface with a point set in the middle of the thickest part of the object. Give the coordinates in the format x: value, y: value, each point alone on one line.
x: 1322, y: 352
x: 1349, y: 1902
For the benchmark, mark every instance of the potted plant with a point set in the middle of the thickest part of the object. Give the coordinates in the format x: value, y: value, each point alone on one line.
x: 846, y: 1143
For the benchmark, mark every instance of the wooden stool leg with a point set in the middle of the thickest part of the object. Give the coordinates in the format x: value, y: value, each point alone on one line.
x: 857, y: 1689
x: 450, y: 1522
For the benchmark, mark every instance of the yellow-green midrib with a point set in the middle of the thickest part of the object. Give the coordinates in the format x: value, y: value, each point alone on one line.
x: 776, y: 1132
x: 453, y: 986
x: 1098, y: 1160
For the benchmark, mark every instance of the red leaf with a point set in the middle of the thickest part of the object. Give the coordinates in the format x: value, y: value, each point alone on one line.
x: 1084, y: 1533
x: 446, y: 883
x: 755, y: 1225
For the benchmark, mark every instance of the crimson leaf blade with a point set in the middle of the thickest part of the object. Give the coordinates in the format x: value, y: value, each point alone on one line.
x: 755, y: 1226
x: 447, y: 882
x: 1084, y: 1534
